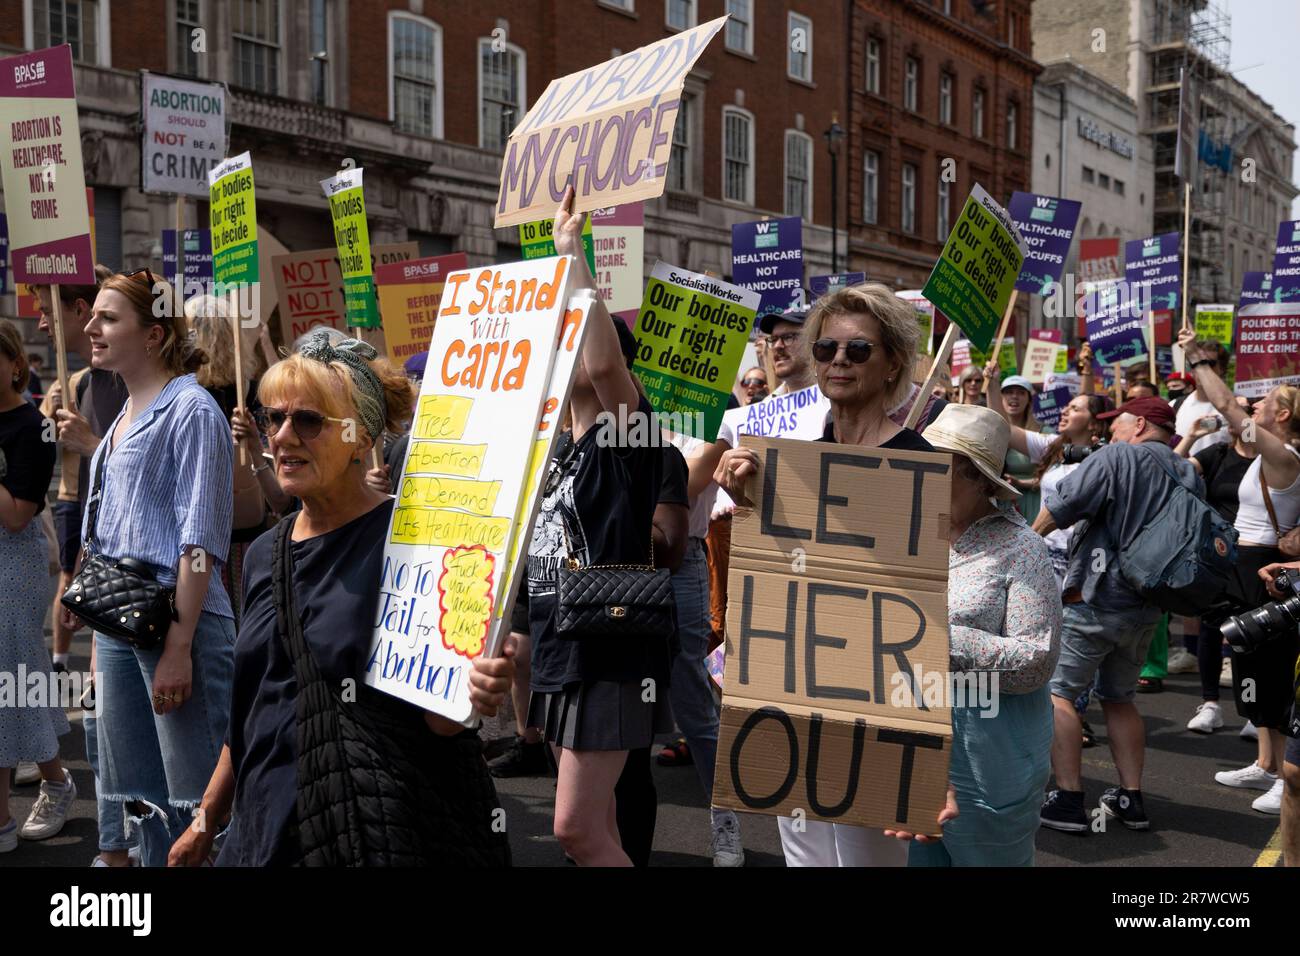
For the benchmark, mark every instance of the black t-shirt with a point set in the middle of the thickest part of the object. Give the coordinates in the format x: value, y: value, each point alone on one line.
x: 29, y: 458
x: 603, y: 498
x: 1223, y: 470
x: 100, y: 396
x: 905, y: 440
x: 673, y: 489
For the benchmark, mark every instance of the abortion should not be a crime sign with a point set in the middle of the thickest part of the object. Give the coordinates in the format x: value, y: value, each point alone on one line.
x: 233, y: 221
x: 184, y: 134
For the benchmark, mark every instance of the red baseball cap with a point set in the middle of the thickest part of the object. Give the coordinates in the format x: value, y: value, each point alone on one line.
x: 1181, y: 377
x: 1155, y: 410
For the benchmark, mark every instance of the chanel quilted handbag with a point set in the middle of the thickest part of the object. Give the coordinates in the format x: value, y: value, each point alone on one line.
x: 614, y: 600
x: 121, y: 598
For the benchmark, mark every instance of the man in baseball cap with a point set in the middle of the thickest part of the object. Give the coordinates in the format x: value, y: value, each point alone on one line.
x: 782, y: 331
x: 1142, y: 414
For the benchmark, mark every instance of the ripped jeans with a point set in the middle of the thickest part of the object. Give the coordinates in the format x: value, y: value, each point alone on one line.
x: 160, y: 766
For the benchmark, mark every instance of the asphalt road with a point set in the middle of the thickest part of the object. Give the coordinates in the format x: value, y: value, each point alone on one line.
x: 1195, y: 822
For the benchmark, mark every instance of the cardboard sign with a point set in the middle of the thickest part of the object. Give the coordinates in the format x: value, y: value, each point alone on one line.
x: 198, y: 260
x: 310, y: 286
x: 924, y: 315
x: 812, y: 716
x: 1268, y: 348
x: 829, y: 285
x: 1286, y: 263
x: 1157, y: 262
x: 767, y: 258
x: 800, y: 414
x: 449, y: 542
x: 409, y: 294
x: 1214, y: 323
x: 233, y: 219
x: 40, y: 165
x: 973, y: 278
x: 1040, y: 358
x: 691, y: 334
x: 535, y: 241
x: 608, y: 128
x: 1255, y: 287
x: 1099, y: 259
x: 184, y: 134
x: 618, y: 234
x: 1047, y: 226
x: 352, y: 240
x: 1116, y: 324
x: 1049, y: 404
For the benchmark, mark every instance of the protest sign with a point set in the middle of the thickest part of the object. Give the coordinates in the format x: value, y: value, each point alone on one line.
x: 184, y: 134
x: 1099, y: 259
x: 1062, y: 359
x: 233, y: 220
x: 197, y: 248
x: 1255, y: 287
x: 1047, y: 226
x: 1116, y: 324
x: 4, y: 254
x: 1049, y: 404
x: 464, y: 481
x: 1268, y: 347
x: 352, y: 240
x: 823, y: 707
x: 800, y: 414
x: 1067, y: 380
x: 1164, y: 360
x: 924, y: 315
x: 960, y: 358
x: 1286, y: 263
x: 1164, y: 326
x: 829, y: 285
x: 1040, y: 354
x: 618, y: 233
x: 767, y: 258
x: 608, y: 128
x: 310, y: 286
x: 974, y: 277
x: 409, y: 293
x: 691, y: 334
x: 1214, y: 323
x: 1007, y: 359
x: 535, y: 241
x: 1155, y: 262
x: 1188, y: 111
x: 40, y: 164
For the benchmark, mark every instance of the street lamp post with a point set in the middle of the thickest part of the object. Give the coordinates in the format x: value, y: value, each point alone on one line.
x: 833, y: 137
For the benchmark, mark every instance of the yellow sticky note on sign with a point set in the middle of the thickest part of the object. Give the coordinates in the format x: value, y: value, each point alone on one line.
x: 441, y: 417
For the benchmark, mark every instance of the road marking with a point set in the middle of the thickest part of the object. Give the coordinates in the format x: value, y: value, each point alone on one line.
x: 1272, y: 852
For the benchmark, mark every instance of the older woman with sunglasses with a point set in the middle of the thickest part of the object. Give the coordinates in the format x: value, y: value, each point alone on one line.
x: 311, y: 590
x: 862, y: 341
x: 162, y: 478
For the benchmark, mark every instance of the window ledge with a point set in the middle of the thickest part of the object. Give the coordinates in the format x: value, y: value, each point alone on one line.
x: 615, y: 8
x: 801, y: 81
x: 741, y: 53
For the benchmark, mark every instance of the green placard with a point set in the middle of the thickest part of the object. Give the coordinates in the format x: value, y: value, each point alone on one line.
x: 1007, y: 358
x: 232, y: 217
x: 1062, y: 359
x: 536, y: 242
x: 352, y: 240
x: 1214, y: 322
x: 975, y: 275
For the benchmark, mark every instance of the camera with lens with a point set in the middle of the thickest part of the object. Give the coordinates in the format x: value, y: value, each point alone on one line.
x: 1074, y: 454
x: 1246, y: 632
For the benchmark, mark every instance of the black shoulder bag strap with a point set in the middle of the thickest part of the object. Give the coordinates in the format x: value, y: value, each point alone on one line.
x: 96, y: 488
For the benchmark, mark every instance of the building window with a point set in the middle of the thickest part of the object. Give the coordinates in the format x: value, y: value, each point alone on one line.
x: 628, y: 5
x: 798, y: 64
x: 798, y: 174
x: 947, y: 7
x: 320, y: 52
x: 911, y: 79
x: 501, y: 77
x: 740, y: 26
x: 977, y: 114
x: 1103, y: 180
x: 909, y: 198
x: 870, y: 187
x: 1088, y: 175
x: 679, y: 160
x: 415, y: 74
x: 680, y: 14
x: 256, y: 27
x: 74, y: 22
x: 1013, y: 127
x: 943, y: 226
x: 1013, y: 29
x: 189, y: 17
x: 873, y: 66
x: 737, y: 155
x: 945, y: 99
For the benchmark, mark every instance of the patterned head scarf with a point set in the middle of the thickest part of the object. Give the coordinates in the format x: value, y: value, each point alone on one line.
x: 368, y: 391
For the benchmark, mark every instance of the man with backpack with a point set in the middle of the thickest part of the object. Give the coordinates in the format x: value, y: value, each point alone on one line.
x: 1119, y: 492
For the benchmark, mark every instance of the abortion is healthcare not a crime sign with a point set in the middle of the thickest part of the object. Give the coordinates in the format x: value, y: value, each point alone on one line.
x: 233, y: 220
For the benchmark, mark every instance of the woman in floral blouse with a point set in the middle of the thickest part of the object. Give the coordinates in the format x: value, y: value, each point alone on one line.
x: 1004, y: 620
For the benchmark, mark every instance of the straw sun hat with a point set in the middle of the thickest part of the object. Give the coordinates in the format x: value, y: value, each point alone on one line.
x: 980, y: 434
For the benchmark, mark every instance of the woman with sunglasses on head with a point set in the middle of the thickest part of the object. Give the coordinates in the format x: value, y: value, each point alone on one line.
x: 754, y: 384
x: 862, y: 341
x: 420, y: 793
x: 161, y: 496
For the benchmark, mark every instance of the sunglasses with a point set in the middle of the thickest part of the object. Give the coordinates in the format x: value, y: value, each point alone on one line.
x: 306, y: 423
x: 858, y: 351
x: 753, y: 382
x: 785, y: 339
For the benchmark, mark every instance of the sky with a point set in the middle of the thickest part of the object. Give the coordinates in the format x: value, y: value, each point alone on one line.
x: 1263, y: 57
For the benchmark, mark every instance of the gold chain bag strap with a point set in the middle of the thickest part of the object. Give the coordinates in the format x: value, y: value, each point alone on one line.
x: 614, y: 600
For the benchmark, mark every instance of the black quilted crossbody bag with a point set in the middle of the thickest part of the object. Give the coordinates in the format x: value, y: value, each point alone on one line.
x: 119, y: 599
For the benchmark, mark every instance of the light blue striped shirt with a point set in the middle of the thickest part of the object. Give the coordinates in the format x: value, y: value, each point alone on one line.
x: 168, y: 487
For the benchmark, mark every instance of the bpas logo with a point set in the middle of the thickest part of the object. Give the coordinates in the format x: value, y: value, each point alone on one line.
x: 25, y: 73
x: 1044, y: 209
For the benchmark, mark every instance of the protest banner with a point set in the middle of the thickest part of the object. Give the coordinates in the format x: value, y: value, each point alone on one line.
x: 1154, y: 262
x: 409, y: 294
x: 1099, y: 259
x: 830, y: 284
x: 1041, y: 351
x: 618, y: 234
x: 1049, y: 404
x: 1007, y: 360
x: 352, y: 240
x: 608, y: 129
x: 924, y: 315
x: 4, y: 254
x: 691, y: 334
x: 310, y: 286
x: 1066, y: 380
x: 961, y: 357
x: 767, y: 258
x: 233, y: 221
x: 800, y: 414
x: 823, y: 707
x: 196, y: 254
x: 1286, y: 263
x: 1255, y: 287
x: 1268, y: 347
x: 1047, y: 226
x: 465, y: 480
x: 1062, y: 359
x: 183, y: 135
x: 1163, y: 320
x: 535, y: 241
x: 1164, y: 361
x: 1116, y: 325
x: 1214, y: 323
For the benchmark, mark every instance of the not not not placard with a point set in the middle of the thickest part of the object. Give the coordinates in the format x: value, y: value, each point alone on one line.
x: 310, y: 286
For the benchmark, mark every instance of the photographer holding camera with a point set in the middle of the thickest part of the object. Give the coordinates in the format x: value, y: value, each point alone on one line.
x: 1273, y: 581
x: 1263, y: 663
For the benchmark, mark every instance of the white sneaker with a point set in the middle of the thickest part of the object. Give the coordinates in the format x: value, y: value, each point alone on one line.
x: 1250, y: 731
x: 727, y: 850
x: 1251, y: 777
x: 9, y: 836
x: 51, y: 809
x: 1225, y: 674
x: 1181, y: 662
x: 1271, y: 802
x: 1208, y: 718
x: 26, y: 772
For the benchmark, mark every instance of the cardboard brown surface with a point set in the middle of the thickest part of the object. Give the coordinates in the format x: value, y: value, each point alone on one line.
x: 309, y: 288
x: 838, y: 591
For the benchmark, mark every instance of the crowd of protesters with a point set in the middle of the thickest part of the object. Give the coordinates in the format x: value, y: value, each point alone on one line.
x: 267, y: 516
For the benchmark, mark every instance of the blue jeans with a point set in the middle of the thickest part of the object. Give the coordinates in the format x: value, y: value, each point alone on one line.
x: 691, y: 691
x: 112, y: 822
x: 162, y: 765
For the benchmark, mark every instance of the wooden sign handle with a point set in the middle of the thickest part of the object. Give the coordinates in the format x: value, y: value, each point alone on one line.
x: 60, y: 349
x: 940, y: 360
x: 1002, y: 330
x: 239, y: 367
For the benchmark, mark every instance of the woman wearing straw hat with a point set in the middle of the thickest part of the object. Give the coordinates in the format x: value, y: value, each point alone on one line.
x: 1004, y: 621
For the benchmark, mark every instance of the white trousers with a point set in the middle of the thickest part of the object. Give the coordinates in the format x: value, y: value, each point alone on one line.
x: 834, y: 844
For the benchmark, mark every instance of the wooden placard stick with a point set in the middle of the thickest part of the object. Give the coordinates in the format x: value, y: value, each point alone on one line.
x: 996, y: 354
x: 940, y: 360
x: 60, y: 349
x: 239, y: 363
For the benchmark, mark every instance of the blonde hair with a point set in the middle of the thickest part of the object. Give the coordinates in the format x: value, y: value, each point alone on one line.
x: 330, y: 388
x: 210, y: 319
x: 1288, y: 397
x: 900, y: 331
x: 155, y: 304
x: 11, y: 344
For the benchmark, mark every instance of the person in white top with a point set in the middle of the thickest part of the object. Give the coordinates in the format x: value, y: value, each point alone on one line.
x: 1269, y: 507
x: 1197, y: 406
